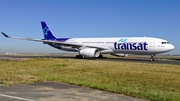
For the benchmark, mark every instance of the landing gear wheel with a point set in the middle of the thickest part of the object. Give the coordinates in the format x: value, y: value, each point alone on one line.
x: 79, y: 56
x: 100, y: 56
x: 152, y: 57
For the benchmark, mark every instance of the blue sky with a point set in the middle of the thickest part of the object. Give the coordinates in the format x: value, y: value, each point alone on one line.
x: 87, y: 18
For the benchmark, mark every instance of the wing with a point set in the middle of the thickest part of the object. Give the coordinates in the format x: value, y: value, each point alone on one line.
x: 74, y: 45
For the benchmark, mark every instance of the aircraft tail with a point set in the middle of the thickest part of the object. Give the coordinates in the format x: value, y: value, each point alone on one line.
x: 48, y: 35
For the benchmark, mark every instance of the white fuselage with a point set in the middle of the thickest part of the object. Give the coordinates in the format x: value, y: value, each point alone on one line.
x: 126, y: 45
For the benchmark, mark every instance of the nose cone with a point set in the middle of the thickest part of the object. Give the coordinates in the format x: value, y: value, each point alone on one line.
x: 171, y: 47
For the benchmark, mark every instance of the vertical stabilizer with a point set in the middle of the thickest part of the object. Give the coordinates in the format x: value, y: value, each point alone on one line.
x: 48, y: 35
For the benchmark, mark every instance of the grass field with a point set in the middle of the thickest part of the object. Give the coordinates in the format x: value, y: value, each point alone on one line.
x: 154, y: 82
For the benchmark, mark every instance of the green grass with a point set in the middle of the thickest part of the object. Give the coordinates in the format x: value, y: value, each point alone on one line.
x: 155, y: 82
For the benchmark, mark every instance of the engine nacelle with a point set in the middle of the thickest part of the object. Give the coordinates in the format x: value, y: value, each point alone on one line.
x: 120, y: 54
x: 89, y: 52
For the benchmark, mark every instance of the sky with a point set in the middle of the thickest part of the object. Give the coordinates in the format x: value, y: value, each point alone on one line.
x: 87, y: 18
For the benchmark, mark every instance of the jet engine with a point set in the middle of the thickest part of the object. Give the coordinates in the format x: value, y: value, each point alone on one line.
x: 89, y: 52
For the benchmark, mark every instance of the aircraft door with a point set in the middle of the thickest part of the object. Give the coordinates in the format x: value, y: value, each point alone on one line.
x: 152, y: 43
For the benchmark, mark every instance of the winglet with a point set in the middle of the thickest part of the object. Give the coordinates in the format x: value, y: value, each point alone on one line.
x: 5, y: 35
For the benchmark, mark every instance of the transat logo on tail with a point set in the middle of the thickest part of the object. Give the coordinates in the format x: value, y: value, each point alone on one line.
x: 122, y: 44
x: 45, y: 30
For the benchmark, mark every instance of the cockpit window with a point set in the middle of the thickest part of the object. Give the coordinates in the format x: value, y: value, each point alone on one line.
x: 165, y: 43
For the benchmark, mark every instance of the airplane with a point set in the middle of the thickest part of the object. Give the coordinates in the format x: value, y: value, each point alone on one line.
x: 96, y: 47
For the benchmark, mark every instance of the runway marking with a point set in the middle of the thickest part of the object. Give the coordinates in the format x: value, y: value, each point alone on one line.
x: 14, y: 97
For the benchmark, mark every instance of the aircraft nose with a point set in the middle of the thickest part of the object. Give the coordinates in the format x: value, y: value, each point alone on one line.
x: 171, y: 47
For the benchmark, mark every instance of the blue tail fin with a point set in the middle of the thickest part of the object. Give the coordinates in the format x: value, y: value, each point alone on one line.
x: 48, y: 35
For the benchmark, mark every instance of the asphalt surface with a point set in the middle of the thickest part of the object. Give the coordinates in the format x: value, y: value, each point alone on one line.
x: 173, y: 61
x: 144, y: 60
x: 53, y: 91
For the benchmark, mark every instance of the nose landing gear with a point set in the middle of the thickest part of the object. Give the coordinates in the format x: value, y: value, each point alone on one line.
x: 152, y: 57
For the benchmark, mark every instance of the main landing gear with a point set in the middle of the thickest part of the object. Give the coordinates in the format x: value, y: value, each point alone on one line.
x: 79, y: 56
x: 100, y: 56
x: 152, y: 57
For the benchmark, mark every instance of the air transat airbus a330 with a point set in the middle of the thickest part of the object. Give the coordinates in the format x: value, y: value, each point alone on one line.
x: 95, y: 47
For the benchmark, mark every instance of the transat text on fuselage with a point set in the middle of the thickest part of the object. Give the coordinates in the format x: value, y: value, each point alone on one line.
x: 123, y: 45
